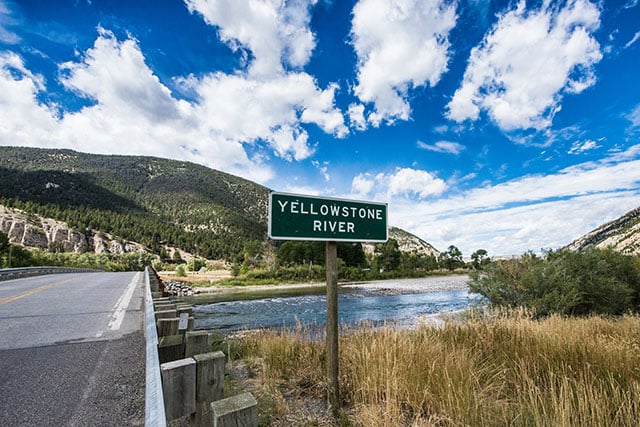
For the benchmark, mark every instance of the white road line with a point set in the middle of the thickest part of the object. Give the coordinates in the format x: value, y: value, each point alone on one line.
x: 120, y: 308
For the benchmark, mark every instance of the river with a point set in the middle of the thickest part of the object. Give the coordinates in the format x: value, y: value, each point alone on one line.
x: 405, y: 301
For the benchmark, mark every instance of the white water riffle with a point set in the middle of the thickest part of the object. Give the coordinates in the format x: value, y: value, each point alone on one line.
x: 405, y: 301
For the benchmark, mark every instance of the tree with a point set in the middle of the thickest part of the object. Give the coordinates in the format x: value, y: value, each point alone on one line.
x: 4, y: 243
x: 389, y: 255
x: 352, y: 254
x: 451, y: 258
x: 479, y: 259
x: 177, y: 258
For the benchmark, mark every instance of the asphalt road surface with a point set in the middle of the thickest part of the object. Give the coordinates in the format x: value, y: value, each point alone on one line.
x: 72, y: 350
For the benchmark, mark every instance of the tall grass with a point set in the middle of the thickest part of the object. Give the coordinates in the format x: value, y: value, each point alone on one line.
x: 503, y: 369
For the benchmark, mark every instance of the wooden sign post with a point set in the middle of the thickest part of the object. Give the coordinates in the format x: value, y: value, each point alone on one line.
x: 298, y: 217
x: 331, y: 265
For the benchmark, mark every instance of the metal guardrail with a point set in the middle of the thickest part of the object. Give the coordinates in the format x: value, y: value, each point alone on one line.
x: 17, y: 273
x: 154, y: 399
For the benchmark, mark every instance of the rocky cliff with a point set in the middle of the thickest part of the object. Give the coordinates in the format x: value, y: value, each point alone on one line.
x: 407, y: 242
x: 32, y: 231
x: 622, y: 234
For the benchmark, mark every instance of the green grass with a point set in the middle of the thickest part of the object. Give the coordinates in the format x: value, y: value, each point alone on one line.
x: 502, y: 369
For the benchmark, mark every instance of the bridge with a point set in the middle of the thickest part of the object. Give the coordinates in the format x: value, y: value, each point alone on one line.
x: 87, y: 348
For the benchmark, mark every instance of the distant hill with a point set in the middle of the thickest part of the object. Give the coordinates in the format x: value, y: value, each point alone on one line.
x: 622, y: 234
x: 112, y: 203
x: 151, y: 201
x: 408, y: 242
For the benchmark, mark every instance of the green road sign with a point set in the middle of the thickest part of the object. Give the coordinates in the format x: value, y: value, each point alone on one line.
x: 297, y: 217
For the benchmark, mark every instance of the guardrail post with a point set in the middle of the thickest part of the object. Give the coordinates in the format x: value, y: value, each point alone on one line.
x: 179, y: 387
x: 197, y: 342
x: 209, y: 385
x: 240, y: 410
x: 170, y: 348
x: 167, y: 327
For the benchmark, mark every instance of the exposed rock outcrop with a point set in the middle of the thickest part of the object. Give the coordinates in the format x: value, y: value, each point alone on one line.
x: 622, y: 234
x: 32, y: 231
x: 407, y: 242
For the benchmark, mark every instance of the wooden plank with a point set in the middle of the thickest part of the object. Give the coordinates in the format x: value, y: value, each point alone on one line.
x: 179, y: 388
x: 235, y: 411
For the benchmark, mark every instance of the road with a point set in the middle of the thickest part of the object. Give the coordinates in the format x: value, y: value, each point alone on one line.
x: 72, y: 350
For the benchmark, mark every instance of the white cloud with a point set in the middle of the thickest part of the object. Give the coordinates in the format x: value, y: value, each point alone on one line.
x: 634, y: 116
x: 582, y: 146
x: 132, y: 112
x: 274, y: 31
x: 634, y: 39
x: 516, y: 230
x: 403, y: 182
x: 356, y: 116
x: 323, y: 168
x: 246, y: 110
x: 7, y: 20
x: 268, y: 102
x: 526, y: 63
x: 442, y: 147
x: 362, y: 185
x: 408, y: 181
x: 527, y: 213
x: 400, y: 45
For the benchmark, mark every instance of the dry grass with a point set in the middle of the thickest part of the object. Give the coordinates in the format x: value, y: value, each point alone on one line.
x: 498, y: 370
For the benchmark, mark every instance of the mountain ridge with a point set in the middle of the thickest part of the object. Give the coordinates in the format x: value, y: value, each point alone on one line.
x: 621, y: 234
x: 134, y: 202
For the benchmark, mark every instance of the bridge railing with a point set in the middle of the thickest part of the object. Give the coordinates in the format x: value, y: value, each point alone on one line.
x: 154, y: 398
x: 18, y: 273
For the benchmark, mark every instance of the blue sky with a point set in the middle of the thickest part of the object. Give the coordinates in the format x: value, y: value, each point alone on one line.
x: 504, y: 125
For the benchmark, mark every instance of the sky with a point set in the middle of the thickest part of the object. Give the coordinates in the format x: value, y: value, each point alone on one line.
x: 509, y: 126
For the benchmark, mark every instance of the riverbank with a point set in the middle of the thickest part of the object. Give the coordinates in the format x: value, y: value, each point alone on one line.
x: 408, y: 286
x: 502, y: 370
x: 388, y: 287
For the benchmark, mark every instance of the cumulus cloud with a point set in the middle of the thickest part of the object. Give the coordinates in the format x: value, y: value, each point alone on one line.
x: 274, y: 31
x: 247, y: 110
x: 356, y: 116
x: 130, y: 111
x: 527, y: 62
x: 403, y: 182
x: 442, y: 147
x: 400, y: 45
x: 269, y: 102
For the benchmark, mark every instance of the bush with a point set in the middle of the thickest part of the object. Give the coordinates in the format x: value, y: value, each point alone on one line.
x: 180, y: 271
x: 564, y: 282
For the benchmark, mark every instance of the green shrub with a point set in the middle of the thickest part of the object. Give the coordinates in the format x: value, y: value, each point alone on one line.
x: 564, y: 282
x: 180, y: 271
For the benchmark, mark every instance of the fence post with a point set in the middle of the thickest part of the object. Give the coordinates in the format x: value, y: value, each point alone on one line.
x: 179, y: 387
x: 197, y: 342
x: 240, y: 410
x: 209, y: 385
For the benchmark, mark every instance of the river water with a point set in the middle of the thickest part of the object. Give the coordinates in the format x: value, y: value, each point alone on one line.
x: 405, y: 301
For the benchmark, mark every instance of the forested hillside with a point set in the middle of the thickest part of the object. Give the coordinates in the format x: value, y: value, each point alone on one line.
x: 152, y: 201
